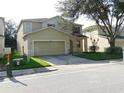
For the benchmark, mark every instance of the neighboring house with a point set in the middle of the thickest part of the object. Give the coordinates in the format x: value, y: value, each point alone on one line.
x: 119, y: 41
x: 94, y: 33
x: 53, y: 36
x: 2, y: 39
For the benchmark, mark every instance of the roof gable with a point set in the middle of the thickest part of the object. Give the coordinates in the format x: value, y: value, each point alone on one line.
x: 46, y: 29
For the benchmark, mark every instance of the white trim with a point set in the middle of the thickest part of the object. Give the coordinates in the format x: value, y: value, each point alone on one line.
x: 48, y: 41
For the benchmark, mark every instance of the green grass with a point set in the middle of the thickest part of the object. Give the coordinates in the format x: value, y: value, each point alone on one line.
x: 99, y: 56
x: 13, y: 56
x: 33, y: 63
x: 26, y: 64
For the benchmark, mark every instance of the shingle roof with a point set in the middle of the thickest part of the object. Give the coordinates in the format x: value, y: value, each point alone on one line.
x: 36, y: 19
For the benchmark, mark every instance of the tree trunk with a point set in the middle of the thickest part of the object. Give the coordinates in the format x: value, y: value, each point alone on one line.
x: 112, y: 45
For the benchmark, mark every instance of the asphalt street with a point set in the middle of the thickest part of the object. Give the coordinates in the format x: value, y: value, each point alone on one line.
x: 102, y: 79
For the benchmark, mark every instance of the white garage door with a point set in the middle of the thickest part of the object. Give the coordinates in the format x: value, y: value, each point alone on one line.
x: 49, y: 48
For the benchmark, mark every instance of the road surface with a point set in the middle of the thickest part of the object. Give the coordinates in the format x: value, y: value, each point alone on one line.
x: 102, y: 79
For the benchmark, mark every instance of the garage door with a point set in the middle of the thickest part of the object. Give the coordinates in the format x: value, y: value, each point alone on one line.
x: 49, y: 48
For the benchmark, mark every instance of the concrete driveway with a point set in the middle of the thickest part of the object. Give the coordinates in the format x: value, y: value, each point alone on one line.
x: 69, y: 60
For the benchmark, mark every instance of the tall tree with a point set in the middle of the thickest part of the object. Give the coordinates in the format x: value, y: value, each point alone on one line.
x: 10, y: 34
x: 108, y: 14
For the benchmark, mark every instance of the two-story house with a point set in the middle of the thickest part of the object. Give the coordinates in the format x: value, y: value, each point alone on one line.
x: 50, y: 36
x: 2, y: 39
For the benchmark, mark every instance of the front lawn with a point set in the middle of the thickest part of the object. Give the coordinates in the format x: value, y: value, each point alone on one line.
x: 99, y: 56
x: 34, y: 62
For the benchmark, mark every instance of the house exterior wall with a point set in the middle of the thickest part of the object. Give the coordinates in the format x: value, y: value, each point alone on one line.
x: 20, y: 38
x: 75, y: 49
x: 47, y: 35
x: 36, y: 26
x: 2, y: 26
x: 59, y: 22
x: 1, y: 46
x: 2, y: 38
x: 102, y: 43
x: 29, y: 26
x: 51, y: 21
x: 21, y: 42
x: 119, y: 43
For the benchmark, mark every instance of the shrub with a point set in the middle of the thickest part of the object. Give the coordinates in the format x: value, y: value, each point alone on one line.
x: 113, y: 50
x: 93, y: 48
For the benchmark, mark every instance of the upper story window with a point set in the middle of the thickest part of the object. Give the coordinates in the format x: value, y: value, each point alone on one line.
x: 53, y: 25
x: 28, y: 27
x: 76, y: 29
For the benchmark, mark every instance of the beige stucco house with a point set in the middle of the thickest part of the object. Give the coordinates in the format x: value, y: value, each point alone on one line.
x: 2, y: 42
x: 50, y: 36
x: 95, y: 33
x: 120, y: 40
x: 102, y: 41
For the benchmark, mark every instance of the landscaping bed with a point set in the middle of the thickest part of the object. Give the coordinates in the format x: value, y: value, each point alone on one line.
x: 99, y: 55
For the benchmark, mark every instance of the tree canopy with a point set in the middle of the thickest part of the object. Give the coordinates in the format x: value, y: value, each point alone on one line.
x: 106, y: 13
x: 10, y: 34
x: 91, y: 28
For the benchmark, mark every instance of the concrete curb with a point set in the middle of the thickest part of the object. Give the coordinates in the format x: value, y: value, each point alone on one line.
x: 28, y: 71
x: 3, y: 73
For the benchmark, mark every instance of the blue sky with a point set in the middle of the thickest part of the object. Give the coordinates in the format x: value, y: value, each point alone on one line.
x: 25, y: 9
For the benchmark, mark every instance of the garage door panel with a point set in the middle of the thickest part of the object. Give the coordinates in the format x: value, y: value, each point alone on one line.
x: 41, y: 48
x: 57, y: 47
x: 49, y: 48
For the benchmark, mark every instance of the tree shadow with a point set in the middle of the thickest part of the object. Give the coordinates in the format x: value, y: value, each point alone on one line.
x: 2, y: 79
x: 2, y: 65
x: 16, y: 81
